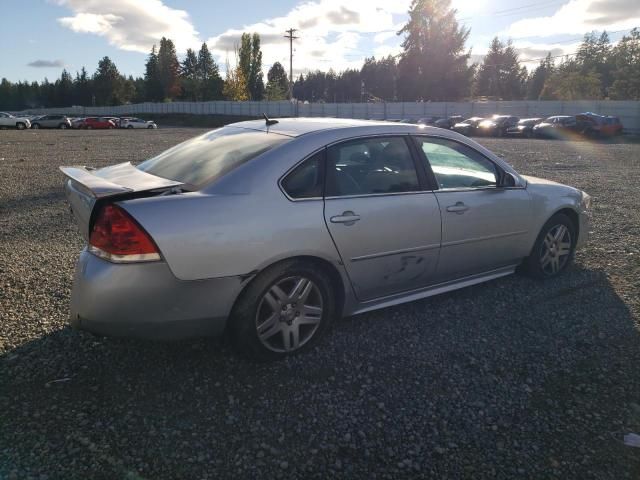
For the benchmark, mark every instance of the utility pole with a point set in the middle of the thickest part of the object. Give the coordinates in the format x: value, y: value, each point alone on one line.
x: 291, y: 38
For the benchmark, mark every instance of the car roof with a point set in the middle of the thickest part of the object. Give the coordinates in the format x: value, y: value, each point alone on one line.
x: 294, y: 127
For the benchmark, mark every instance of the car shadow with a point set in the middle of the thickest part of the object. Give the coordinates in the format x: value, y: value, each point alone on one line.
x: 553, y: 364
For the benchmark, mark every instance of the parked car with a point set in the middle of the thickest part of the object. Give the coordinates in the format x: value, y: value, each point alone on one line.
x: 9, y: 121
x: 137, y: 123
x: 600, y: 125
x: 562, y: 126
x: 431, y: 121
x: 51, y: 121
x: 497, y: 125
x: 524, y: 127
x: 77, y: 122
x: 468, y: 127
x: 97, y: 123
x: 269, y: 230
x: 449, y: 122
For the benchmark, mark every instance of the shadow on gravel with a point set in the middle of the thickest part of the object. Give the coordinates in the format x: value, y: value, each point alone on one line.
x: 512, y: 378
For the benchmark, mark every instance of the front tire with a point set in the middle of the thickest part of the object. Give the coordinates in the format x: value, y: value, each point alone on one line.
x: 20, y: 126
x: 63, y: 126
x: 284, y: 311
x: 554, y: 248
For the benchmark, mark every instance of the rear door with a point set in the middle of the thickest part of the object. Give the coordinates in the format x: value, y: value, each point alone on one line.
x: 484, y: 226
x: 383, y: 218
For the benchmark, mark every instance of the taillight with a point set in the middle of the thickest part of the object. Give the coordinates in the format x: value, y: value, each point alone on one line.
x: 118, y: 238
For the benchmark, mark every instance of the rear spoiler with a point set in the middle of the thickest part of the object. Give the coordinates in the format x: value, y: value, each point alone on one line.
x: 92, y: 184
x: 115, y: 180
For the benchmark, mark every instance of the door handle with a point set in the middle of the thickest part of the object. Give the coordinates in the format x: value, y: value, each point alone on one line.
x: 458, y: 208
x: 348, y: 218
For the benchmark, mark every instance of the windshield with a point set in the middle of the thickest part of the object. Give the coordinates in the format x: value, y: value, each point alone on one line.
x: 208, y: 157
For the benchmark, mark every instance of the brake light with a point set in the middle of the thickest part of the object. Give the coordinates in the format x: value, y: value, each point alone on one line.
x: 117, y: 237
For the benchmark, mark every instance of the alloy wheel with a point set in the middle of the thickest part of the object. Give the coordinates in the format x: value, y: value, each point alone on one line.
x: 555, y: 249
x: 289, y: 314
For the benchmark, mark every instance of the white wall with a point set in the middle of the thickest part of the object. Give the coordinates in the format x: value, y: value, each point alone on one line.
x: 628, y: 111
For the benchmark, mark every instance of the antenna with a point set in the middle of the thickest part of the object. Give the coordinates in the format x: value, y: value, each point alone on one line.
x: 268, y: 121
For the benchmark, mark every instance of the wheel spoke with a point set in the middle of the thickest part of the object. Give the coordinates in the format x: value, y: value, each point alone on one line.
x: 564, y: 248
x: 560, y: 232
x: 279, y: 294
x: 312, y: 310
x: 548, y: 240
x: 269, y: 327
x: 301, y: 290
x: 546, y: 258
x: 272, y: 301
x: 555, y: 264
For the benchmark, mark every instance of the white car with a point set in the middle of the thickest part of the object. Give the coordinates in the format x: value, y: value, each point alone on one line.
x: 8, y: 120
x: 137, y: 123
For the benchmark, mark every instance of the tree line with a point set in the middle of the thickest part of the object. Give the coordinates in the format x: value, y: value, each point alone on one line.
x: 434, y: 65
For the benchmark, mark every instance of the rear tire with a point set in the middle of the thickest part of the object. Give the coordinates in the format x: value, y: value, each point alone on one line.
x: 553, y: 250
x: 283, y: 311
x: 63, y: 126
x: 130, y: 126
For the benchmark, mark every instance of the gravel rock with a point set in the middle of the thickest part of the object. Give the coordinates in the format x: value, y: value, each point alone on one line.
x: 511, y: 379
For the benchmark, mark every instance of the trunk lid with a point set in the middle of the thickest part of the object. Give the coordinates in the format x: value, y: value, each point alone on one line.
x: 85, y: 188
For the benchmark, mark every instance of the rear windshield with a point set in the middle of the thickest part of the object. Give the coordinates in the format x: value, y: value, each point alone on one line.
x: 208, y: 157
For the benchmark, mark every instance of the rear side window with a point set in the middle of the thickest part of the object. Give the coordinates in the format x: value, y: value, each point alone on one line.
x: 306, y: 180
x: 210, y: 156
x: 370, y: 166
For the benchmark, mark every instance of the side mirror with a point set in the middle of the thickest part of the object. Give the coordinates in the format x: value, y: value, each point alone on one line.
x: 508, y: 180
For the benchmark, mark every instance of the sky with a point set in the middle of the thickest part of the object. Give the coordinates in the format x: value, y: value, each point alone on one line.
x: 41, y: 37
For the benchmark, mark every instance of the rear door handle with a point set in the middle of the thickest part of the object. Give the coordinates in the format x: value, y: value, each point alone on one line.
x: 348, y: 218
x: 458, y: 208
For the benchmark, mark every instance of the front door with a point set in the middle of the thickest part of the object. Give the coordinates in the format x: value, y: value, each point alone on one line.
x: 386, y: 227
x: 484, y: 226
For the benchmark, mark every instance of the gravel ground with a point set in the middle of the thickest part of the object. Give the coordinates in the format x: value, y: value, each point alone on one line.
x: 510, y: 379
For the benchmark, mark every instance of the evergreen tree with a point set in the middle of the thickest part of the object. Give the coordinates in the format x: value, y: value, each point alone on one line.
x: 82, y: 88
x: 433, y: 65
x: 168, y: 69
x: 64, y: 90
x: 277, y: 83
x: 500, y: 75
x: 380, y: 77
x: 211, y: 82
x: 107, y: 83
x: 190, y: 80
x: 153, y: 86
x: 538, y: 78
x: 626, y: 68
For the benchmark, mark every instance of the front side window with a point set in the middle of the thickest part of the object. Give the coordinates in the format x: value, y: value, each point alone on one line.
x: 305, y: 181
x: 367, y: 166
x: 210, y: 156
x: 457, y: 166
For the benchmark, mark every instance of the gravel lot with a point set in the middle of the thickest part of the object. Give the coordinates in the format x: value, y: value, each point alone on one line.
x: 510, y: 379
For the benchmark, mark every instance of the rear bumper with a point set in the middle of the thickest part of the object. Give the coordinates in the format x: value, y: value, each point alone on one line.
x: 145, y: 300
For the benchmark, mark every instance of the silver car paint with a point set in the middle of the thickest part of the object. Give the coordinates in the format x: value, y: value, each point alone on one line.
x: 236, y: 227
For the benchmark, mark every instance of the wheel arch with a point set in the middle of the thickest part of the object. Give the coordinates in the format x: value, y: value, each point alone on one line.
x: 337, y: 281
x: 573, y: 216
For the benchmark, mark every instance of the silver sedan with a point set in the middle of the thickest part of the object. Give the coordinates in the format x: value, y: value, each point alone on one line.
x: 270, y: 230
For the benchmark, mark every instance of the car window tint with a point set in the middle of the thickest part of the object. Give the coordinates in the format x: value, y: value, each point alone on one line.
x: 210, y: 156
x: 458, y: 166
x: 305, y: 181
x: 371, y: 166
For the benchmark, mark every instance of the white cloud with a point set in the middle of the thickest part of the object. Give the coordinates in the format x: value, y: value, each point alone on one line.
x: 578, y: 17
x: 131, y: 24
x: 331, y: 33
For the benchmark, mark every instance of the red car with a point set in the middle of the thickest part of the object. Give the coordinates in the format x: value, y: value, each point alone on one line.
x: 97, y: 123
